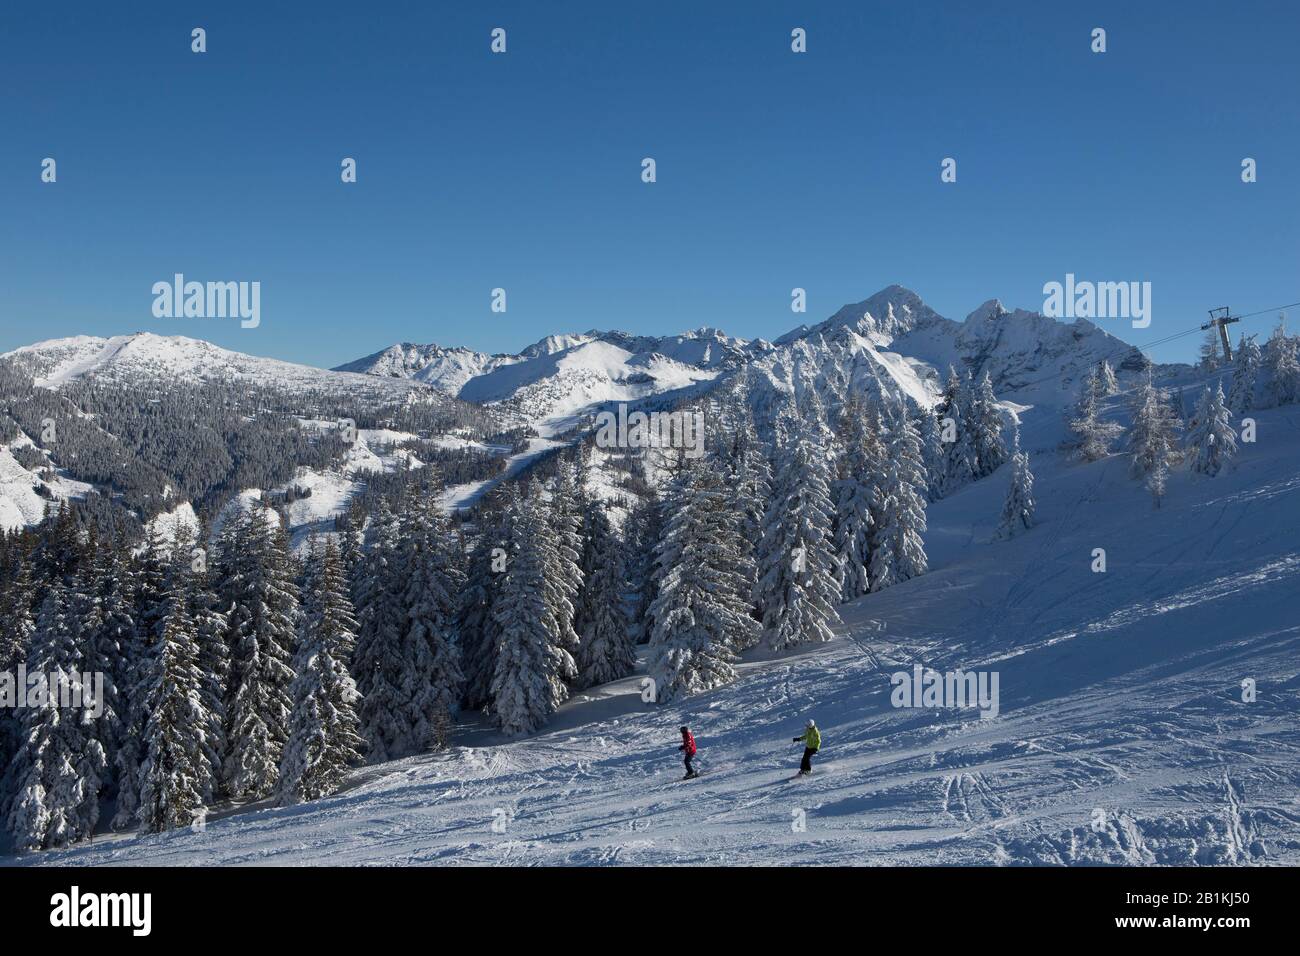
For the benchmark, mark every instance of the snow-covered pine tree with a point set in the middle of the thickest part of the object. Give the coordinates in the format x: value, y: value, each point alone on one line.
x: 1246, y: 364
x: 16, y: 629
x: 477, y: 630
x: 350, y: 527
x: 858, y: 494
x: 56, y: 777
x: 324, y: 734
x: 605, y: 649
x: 112, y: 643
x: 749, y: 475
x: 645, y: 527
x: 210, y: 629
x: 701, y: 609
x: 258, y: 587
x: 1211, y: 442
x: 985, y: 425
x: 897, y: 549
x: 434, y: 579
x: 16, y: 623
x: 1283, y: 368
x: 532, y: 613
x: 1211, y: 356
x: 1152, y: 439
x: 1092, y: 435
x: 175, y: 773
x: 933, y: 454
x: 378, y: 665
x: 150, y: 577
x: 1018, y: 509
x: 565, y: 515
x: 1109, y: 384
x: 798, y: 567
x: 956, y: 423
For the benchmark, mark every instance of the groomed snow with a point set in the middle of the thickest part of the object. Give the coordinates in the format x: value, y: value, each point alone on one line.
x: 1122, y: 735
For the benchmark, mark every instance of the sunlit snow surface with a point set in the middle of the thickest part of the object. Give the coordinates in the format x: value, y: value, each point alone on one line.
x: 1122, y: 739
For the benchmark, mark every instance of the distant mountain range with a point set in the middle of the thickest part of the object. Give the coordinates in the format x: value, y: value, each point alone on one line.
x: 890, y: 342
x: 561, y: 374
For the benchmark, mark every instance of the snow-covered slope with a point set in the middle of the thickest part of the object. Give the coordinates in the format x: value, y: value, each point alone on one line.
x: 1122, y: 735
x: 1023, y: 352
x: 446, y: 369
x: 1020, y: 350
x: 25, y: 494
x: 552, y: 389
x: 556, y: 378
x: 144, y: 356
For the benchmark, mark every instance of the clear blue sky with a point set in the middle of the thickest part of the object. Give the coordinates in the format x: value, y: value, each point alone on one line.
x: 522, y: 171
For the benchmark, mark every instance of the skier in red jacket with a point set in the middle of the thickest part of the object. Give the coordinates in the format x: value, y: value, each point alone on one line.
x: 688, y: 748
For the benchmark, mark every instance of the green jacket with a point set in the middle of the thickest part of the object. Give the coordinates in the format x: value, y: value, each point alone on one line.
x: 812, y: 738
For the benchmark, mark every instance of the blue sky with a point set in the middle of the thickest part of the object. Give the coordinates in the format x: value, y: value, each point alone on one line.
x: 522, y: 170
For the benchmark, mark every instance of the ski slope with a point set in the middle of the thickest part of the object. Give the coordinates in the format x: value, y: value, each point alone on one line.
x: 1122, y: 736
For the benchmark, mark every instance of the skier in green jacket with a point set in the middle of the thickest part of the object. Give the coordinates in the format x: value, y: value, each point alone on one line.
x: 812, y: 742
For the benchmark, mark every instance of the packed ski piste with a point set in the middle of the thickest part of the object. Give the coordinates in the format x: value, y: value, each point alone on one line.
x: 911, y: 590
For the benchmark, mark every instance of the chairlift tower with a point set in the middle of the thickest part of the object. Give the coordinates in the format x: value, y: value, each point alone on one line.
x: 1221, y: 319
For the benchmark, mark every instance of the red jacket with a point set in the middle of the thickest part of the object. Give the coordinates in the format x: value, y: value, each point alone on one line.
x: 688, y: 744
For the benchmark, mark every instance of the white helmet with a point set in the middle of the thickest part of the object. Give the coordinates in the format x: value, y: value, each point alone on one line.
x: 811, y: 722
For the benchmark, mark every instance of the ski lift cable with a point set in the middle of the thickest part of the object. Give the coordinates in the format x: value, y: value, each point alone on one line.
x: 1150, y: 345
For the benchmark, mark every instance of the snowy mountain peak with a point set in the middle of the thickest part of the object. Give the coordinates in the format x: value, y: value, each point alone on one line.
x: 992, y: 309
x: 890, y: 312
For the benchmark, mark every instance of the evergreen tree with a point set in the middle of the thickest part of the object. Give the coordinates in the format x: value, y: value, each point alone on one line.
x: 478, y: 637
x: 258, y: 587
x: 429, y: 643
x: 605, y: 649
x: 1211, y: 356
x: 985, y: 423
x: 897, y: 549
x: 56, y: 778
x: 1018, y: 509
x: 701, y: 609
x: 933, y: 455
x: 858, y: 495
x: 532, y: 614
x: 1109, y: 385
x: 957, y: 421
x: 645, y: 526
x: 1280, y: 361
x: 210, y: 629
x: 565, y: 515
x: 798, y: 567
x: 324, y: 735
x: 379, y: 666
x: 1152, y: 439
x: 176, y: 774
x: 150, y: 587
x: 1092, y: 434
x: 108, y: 646
x: 1245, y: 372
x: 1211, y: 442
x: 749, y: 475
x: 16, y: 630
